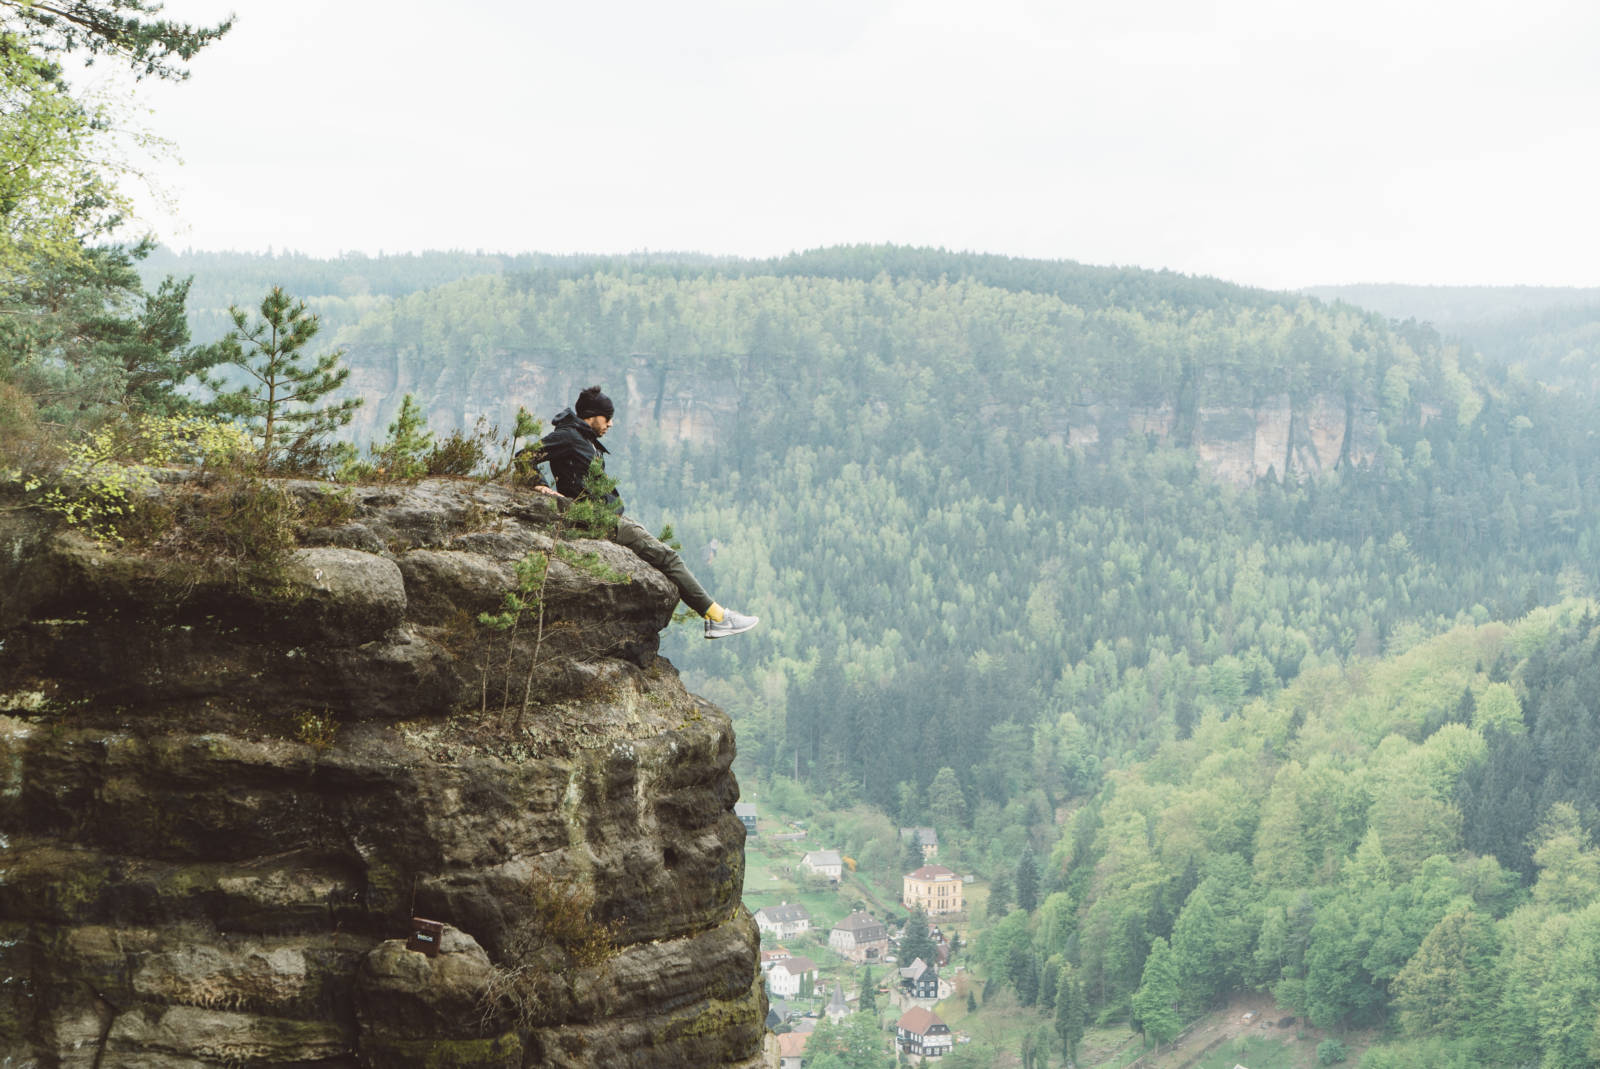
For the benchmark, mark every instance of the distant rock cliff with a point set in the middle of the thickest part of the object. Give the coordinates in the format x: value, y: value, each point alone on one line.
x: 225, y: 791
x: 1241, y: 432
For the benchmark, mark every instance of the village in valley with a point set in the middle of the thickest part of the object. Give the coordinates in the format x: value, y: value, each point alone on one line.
x: 834, y: 944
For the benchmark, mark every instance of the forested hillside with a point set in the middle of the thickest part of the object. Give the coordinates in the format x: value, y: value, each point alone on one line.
x: 1551, y: 333
x: 1374, y: 843
x: 1100, y: 561
x: 917, y: 481
x: 345, y: 288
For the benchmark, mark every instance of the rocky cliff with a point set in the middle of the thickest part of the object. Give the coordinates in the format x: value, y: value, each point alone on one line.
x: 1241, y: 431
x: 230, y: 778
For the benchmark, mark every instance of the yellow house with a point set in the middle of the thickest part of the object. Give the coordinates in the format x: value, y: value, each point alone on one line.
x: 933, y: 889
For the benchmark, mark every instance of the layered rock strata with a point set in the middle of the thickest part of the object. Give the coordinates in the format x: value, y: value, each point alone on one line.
x: 227, y: 787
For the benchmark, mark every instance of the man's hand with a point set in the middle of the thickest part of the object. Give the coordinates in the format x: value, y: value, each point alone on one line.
x: 548, y: 491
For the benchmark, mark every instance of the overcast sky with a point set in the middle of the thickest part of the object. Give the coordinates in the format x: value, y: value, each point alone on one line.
x: 1269, y: 142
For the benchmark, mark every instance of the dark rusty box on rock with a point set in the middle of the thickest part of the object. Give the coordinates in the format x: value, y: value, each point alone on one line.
x: 425, y: 935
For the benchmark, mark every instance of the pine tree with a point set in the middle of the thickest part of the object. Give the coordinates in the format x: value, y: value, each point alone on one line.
x: 868, y: 1002
x: 404, y: 454
x: 1072, y: 1012
x: 121, y: 28
x: 913, y: 859
x: 1024, y: 974
x: 1028, y: 881
x: 280, y: 409
x: 917, y: 942
x: 946, y: 802
x: 999, y: 894
x: 88, y: 343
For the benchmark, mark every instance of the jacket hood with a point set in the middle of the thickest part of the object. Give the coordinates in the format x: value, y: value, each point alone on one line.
x: 568, y: 420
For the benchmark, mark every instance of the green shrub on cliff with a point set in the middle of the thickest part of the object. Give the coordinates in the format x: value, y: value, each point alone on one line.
x: 411, y: 452
x: 106, y: 474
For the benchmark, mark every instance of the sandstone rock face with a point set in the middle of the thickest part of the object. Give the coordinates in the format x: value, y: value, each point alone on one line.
x: 1274, y: 436
x: 225, y: 792
x: 1241, y: 430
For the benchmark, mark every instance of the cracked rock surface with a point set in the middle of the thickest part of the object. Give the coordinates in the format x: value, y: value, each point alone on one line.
x: 225, y: 793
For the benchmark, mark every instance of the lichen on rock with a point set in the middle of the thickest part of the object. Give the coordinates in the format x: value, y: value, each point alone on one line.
x: 223, y: 800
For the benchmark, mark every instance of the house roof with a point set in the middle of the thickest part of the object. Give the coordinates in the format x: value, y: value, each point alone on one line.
x: 797, y: 966
x: 822, y: 857
x: 918, y: 1020
x: 857, y: 921
x: 925, y: 836
x: 744, y: 809
x: 932, y: 872
x: 784, y: 914
x: 915, y: 970
x: 793, y: 1044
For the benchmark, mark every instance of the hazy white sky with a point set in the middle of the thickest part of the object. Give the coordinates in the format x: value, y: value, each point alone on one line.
x: 1273, y: 143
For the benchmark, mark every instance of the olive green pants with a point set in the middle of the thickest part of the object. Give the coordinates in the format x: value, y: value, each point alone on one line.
x: 664, y: 559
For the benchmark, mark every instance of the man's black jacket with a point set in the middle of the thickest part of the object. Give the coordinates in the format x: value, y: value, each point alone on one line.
x: 569, y: 449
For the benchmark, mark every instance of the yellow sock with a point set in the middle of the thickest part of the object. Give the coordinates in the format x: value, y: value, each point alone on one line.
x: 714, y: 614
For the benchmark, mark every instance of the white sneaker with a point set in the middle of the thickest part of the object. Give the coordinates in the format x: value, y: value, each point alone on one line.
x: 732, y: 623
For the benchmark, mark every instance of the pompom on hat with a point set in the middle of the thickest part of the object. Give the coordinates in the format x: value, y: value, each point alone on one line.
x: 592, y: 402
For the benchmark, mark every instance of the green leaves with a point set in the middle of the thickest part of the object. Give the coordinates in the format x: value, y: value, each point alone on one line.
x: 106, y: 473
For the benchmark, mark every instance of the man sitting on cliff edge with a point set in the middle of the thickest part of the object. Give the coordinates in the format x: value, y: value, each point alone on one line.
x: 570, y: 449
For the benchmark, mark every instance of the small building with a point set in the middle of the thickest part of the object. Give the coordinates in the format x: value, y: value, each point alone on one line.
x: 793, y: 978
x: 746, y: 812
x: 920, y: 980
x: 792, y: 1049
x: 783, y: 921
x: 920, y: 1032
x: 824, y: 863
x: 933, y: 889
x: 838, y: 1009
x: 927, y: 841
x: 773, y: 956
x: 860, y: 937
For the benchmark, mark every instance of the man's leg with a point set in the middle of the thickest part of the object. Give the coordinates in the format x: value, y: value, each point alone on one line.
x: 665, y: 560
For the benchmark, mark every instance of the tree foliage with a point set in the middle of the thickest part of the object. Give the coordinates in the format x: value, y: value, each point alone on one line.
x: 80, y: 340
x: 282, y: 404
x: 1155, y: 1003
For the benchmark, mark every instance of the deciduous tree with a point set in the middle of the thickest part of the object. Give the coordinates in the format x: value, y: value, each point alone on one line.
x: 1451, y: 984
